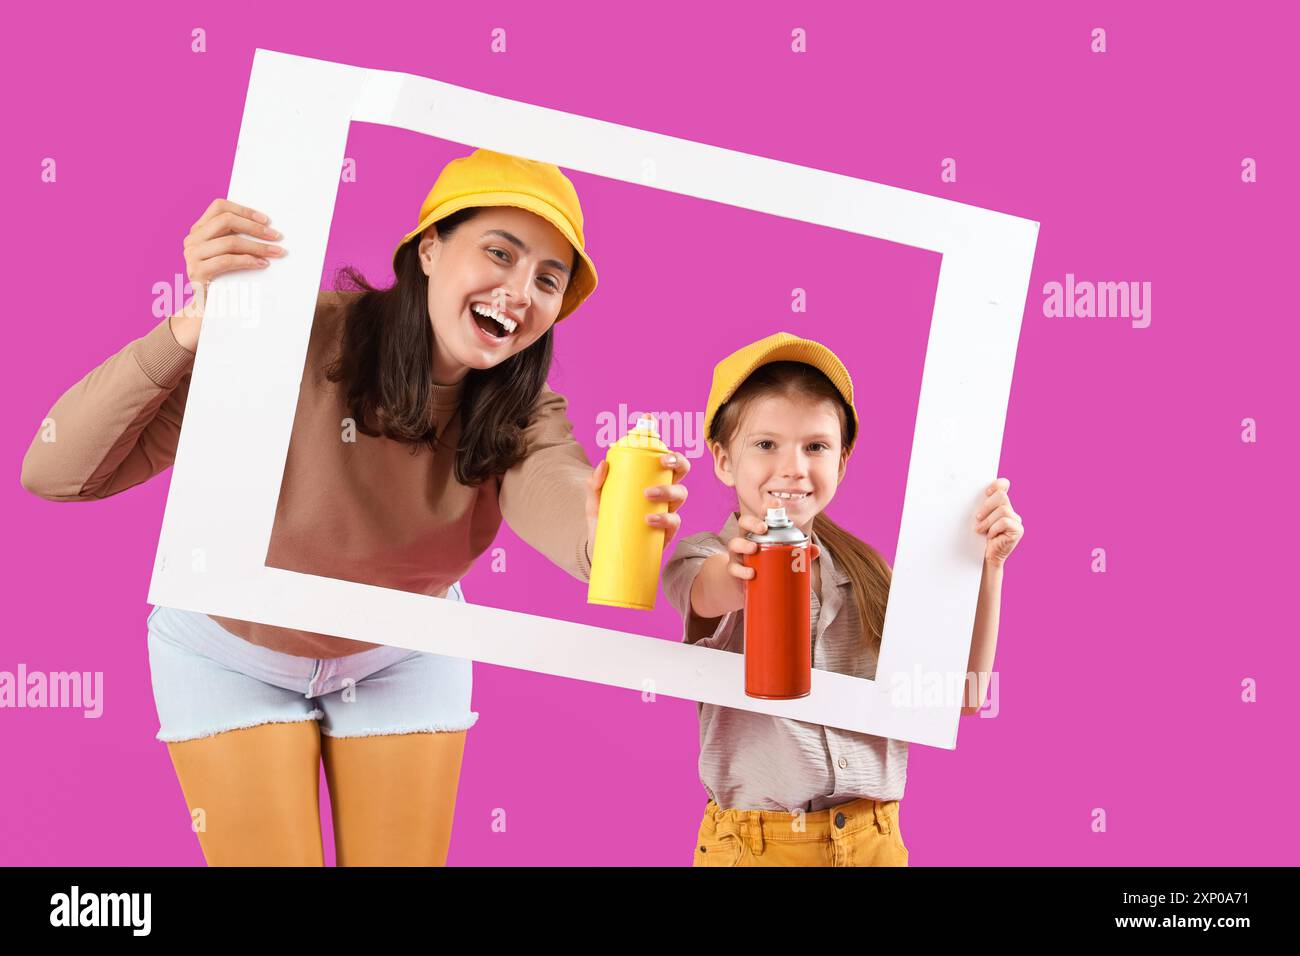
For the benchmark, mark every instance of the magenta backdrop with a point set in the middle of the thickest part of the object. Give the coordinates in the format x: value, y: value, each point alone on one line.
x: 1120, y: 691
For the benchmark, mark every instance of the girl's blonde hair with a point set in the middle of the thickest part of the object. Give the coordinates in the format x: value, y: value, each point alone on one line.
x: 868, y: 571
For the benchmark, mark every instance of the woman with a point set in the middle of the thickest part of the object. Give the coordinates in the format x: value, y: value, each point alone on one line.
x: 423, y: 420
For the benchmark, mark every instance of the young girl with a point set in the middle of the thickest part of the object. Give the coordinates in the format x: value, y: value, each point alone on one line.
x: 781, y: 425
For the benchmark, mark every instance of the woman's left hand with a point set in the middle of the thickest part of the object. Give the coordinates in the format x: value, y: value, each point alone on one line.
x: 999, y: 522
x: 674, y: 494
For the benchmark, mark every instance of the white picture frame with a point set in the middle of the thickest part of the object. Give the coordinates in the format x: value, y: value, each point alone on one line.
x: 228, y: 469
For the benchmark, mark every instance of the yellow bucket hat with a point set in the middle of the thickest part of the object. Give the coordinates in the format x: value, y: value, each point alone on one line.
x: 731, y: 372
x: 487, y: 178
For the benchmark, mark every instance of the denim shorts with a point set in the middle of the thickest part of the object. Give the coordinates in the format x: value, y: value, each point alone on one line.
x: 207, y: 681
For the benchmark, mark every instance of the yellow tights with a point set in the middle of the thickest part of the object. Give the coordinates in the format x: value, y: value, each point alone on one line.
x: 392, y: 795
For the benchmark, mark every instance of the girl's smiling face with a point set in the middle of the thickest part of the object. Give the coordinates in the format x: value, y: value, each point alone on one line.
x: 507, y: 260
x: 786, y: 453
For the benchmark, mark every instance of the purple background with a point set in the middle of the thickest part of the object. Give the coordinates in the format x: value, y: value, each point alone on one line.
x: 1119, y: 691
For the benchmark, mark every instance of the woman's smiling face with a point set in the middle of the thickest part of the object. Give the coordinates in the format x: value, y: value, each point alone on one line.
x: 507, y: 261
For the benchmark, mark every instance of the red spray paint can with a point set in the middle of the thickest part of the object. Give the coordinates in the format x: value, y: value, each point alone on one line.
x: 778, y: 612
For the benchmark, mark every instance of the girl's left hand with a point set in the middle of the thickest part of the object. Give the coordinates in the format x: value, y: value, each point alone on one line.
x: 674, y: 494
x: 999, y: 521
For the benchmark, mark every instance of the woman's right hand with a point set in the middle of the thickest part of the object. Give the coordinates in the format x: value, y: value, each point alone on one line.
x: 216, y: 244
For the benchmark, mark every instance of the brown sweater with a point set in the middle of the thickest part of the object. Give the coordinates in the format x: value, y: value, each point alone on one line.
x: 367, y: 510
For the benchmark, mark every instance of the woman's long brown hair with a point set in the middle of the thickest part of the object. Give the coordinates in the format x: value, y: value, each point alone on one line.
x: 385, y: 366
x: 868, y: 571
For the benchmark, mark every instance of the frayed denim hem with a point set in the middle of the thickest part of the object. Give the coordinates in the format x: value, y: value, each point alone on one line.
x: 312, y: 715
x: 450, y: 728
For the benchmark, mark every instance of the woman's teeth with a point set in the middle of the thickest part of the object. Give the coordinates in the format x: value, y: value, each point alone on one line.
x: 504, y: 321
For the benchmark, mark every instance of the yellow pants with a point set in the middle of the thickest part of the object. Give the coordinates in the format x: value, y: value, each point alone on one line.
x: 857, y: 833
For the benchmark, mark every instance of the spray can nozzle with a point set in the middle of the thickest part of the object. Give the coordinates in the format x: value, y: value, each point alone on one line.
x: 776, y: 518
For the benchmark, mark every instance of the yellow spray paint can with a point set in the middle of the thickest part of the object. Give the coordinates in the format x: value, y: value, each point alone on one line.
x: 627, y: 551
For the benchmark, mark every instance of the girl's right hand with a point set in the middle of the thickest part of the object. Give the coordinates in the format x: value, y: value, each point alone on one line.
x: 216, y: 244
x: 739, y: 546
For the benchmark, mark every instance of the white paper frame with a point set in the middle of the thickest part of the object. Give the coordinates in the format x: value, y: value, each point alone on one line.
x: 229, y: 466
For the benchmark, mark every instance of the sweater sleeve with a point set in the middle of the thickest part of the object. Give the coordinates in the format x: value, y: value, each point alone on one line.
x: 115, y: 428
x: 543, y: 498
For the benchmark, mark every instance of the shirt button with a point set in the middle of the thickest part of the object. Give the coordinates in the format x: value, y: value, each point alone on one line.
x: 843, y: 762
x: 839, y: 820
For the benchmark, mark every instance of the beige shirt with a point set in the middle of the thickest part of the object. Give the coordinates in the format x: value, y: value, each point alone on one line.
x: 367, y: 510
x: 753, y: 761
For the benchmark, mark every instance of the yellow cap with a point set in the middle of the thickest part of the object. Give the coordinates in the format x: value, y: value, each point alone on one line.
x: 487, y: 178
x: 731, y: 372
